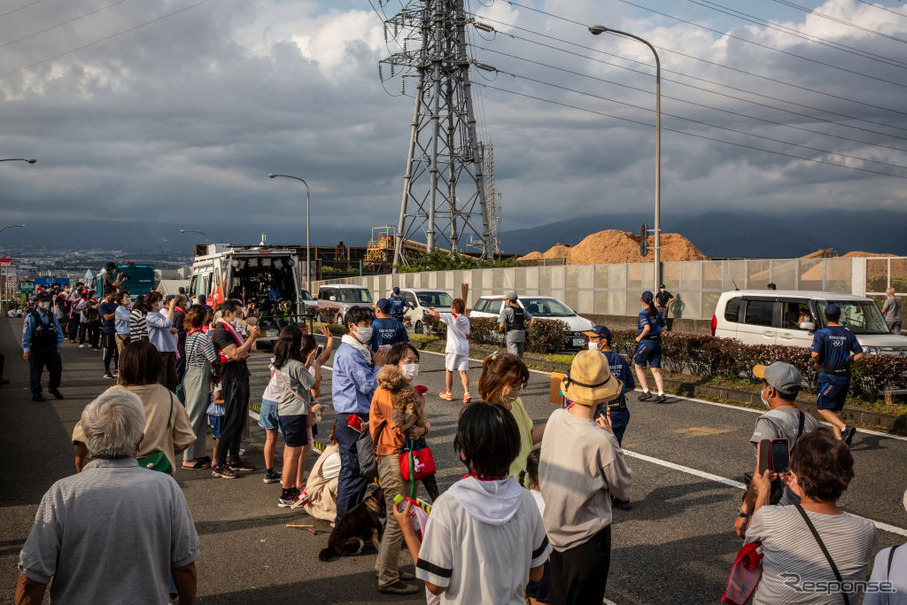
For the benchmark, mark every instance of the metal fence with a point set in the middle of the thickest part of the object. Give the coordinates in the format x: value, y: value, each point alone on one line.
x: 614, y: 289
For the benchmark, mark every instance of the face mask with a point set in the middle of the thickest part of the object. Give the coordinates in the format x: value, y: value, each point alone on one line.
x: 510, y: 395
x: 764, y: 400
x: 593, y: 346
x: 410, y: 370
x: 44, y: 305
x: 364, y: 335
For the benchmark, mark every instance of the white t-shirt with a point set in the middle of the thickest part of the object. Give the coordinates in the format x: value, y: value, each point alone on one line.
x: 483, y: 561
x: 457, y: 333
x: 272, y: 391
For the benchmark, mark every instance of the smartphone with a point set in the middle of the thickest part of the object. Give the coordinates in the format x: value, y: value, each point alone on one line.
x: 780, y: 455
x: 318, y: 351
x: 601, y: 410
x: 765, y: 455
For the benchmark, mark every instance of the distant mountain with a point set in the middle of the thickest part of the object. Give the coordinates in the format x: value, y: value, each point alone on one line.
x: 736, y: 234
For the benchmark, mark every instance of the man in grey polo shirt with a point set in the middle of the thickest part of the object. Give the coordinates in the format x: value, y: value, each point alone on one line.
x: 513, y: 321
x: 115, y: 532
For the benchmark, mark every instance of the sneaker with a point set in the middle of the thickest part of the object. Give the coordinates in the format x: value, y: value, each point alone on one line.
x: 83, y: 345
x: 467, y: 398
x: 302, y: 498
x: 240, y: 465
x: 848, y: 433
x: 662, y: 398
x: 399, y: 587
x: 222, y: 472
x: 621, y: 504
x: 449, y: 397
x: 108, y: 375
x: 56, y: 393
x: 116, y: 373
x: 644, y: 396
x: 38, y: 397
x: 288, y: 498
x: 272, y: 476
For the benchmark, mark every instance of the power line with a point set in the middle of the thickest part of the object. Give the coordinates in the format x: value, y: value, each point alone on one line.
x: 690, y: 134
x: 882, y: 8
x: 15, y: 10
x: 840, y: 21
x: 37, y: 33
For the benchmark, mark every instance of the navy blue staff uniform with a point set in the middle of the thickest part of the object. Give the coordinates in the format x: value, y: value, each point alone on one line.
x: 387, y: 332
x: 834, y: 345
x: 618, y: 411
x: 398, y: 306
x: 649, y: 349
x: 41, y: 338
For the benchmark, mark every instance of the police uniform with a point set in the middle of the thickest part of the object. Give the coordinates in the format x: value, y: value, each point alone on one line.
x: 41, y: 339
x: 515, y: 318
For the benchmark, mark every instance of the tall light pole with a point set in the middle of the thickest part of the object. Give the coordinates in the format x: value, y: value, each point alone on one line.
x: 600, y: 29
x: 3, y: 279
x: 308, y: 260
x: 200, y: 233
x: 29, y: 160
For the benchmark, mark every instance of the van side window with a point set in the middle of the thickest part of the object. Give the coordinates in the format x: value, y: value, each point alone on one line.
x: 480, y: 305
x: 794, y: 313
x: 759, y: 312
x: 408, y: 297
x: 732, y: 310
x: 494, y: 306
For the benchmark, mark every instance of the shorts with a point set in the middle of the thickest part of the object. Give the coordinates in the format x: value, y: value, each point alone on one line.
x: 295, y: 429
x: 216, y: 423
x: 648, y: 351
x: 541, y: 590
x: 267, y: 416
x: 456, y: 362
x: 832, y: 396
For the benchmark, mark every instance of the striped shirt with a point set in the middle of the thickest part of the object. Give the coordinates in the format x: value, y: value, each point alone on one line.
x: 790, y: 550
x: 199, y: 349
x: 138, y: 329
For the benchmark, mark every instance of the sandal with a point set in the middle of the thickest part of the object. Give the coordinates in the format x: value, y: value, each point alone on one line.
x: 199, y: 464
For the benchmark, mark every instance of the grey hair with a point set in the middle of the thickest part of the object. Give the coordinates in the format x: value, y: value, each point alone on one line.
x: 113, y: 424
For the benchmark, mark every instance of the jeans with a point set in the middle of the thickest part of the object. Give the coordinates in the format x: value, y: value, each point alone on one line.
x: 351, y: 484
x: 236, y: 406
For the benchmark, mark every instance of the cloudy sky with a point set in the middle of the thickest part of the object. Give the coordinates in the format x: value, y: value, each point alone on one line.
x: 171, y: 113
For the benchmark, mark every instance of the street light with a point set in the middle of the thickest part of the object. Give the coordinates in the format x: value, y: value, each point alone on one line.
x: 308, y: 260
x: 29, y: 160
x: 200, y: 233
x: 600, y: 29
x: 4, y: 287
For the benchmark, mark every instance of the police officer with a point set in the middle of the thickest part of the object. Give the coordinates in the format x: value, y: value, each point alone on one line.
x: 42, y: 342
x: 398, y: 305
x: 513, y: 321
x: 831, y: 352
x: 663, y: 300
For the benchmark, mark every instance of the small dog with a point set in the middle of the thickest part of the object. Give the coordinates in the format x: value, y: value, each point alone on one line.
x: 407, y: 404
x: 360, y: 523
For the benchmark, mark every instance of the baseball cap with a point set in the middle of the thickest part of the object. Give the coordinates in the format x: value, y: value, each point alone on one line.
x: 396, y: 289
x: 783, y: 376
x: 599, y: 332
x: 647, y: 296
x: 383, y: 304
x: 42, y: 297
x: 833, y: 311
x: 589, y: 381
x: 511, y: 296
x: 660, y: 286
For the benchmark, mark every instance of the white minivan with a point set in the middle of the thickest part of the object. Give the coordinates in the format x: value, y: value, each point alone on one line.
x: 542, y: 308
x: 791, y: 317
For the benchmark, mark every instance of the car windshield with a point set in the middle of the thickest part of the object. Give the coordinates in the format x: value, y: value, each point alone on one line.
x: 354, y: 295
x: 859, y: 316
x: 304, y: 295
x: 434, y: 299
x: 547, y: 307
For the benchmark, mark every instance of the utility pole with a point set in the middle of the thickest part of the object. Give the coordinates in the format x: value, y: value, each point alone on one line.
x: 444, y: 194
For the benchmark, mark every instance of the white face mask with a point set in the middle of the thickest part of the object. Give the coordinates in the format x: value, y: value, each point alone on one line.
x: 364, y: 335
x: 44, y: 305
x: 593, y: 346
x: 764, y: 400
x: 410, y: 370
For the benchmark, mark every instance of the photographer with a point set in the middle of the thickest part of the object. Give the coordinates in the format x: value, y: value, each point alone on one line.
x: 780, y: 385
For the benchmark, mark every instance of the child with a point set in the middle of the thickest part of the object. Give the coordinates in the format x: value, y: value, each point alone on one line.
x: 581, y: 466
x: 540, y: 591
x: 267, y: 419
x: 484, y: 539
x: 457, y: 349
x: 216, y: 416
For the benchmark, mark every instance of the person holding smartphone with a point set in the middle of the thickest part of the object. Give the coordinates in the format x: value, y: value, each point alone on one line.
x: 780, y: 385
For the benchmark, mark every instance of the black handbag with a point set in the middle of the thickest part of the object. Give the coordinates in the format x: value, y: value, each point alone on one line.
x: 365, y: 450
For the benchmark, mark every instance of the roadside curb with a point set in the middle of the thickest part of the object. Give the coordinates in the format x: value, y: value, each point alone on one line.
x: 895, y: 424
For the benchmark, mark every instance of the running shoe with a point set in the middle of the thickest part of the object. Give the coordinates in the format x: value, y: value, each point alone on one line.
x: 222, y: 472
x: 644, y: 396
x: 288, y: 498
x: 661, y: 398
x: 467, y: 398
x: 447, y: 395
x: 848, y: 433
x: 272, y: 476
x: 240, y: 465
x: 108, y: 375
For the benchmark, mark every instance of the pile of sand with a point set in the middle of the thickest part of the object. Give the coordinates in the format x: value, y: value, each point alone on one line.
x: 613, y: 246
x: 860, y: 254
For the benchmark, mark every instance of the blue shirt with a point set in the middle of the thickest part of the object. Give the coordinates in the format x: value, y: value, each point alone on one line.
x: 388, y: 332
x: 46, y: 317
x: 353, y: 381
x: 834, y: 345
x: 620, y: 369
x: 645, y: 319
x: 398, y: 305
x: 121, y: 320
x: 106, y: 308
x: 159, y: 332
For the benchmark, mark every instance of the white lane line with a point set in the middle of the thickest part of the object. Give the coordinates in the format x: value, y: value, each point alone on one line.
x: 730, y: 482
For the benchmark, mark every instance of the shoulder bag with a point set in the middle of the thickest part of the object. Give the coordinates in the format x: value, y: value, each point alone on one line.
x: 416, y: 462
x: 365, y: 452
x: 834, y: 568
x: 745, y: 575
x: 157, y: 461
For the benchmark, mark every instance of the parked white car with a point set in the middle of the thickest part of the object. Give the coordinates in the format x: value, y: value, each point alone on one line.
x: 420, y: 299
x: 791, y: 317
x: 541, y: 308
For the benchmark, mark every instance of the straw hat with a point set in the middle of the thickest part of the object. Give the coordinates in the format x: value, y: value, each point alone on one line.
x: 589, y: 381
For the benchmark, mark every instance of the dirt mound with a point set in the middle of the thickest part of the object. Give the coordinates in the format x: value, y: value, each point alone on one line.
x: 861, y: 254
x: 613, y: 246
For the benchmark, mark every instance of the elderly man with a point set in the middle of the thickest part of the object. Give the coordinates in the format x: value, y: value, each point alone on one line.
x: 892, y: 311
x: 115, y: 532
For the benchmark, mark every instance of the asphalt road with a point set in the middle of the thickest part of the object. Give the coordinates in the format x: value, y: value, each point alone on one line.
x: 675, y: 545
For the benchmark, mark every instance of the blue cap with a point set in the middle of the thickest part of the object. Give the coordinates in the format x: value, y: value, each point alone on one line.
x: 832, y: 311
x: 384, y: 305
x: 396, y: 289
x: 647, y: 296
x: 599, y: 332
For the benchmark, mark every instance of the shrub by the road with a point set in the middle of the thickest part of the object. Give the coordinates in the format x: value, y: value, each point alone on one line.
x: 545, y: 336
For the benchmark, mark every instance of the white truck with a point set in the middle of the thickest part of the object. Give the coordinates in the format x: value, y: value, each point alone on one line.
x: 252, y: 274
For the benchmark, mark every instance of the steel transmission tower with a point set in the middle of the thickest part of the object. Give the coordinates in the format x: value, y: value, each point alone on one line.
x: 444, y: 184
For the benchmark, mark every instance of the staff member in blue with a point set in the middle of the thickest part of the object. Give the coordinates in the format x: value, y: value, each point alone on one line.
x: 648, y: 335
x: 42, y: 343
x: 831, y: 352
x: 399, y: 305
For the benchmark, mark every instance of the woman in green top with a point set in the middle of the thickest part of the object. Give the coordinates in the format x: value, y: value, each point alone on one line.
x: 503, y: 377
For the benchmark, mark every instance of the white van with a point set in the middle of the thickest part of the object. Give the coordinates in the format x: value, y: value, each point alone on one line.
x: 542, y: 308
x: 791, y: 317
x: 419, y: 300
